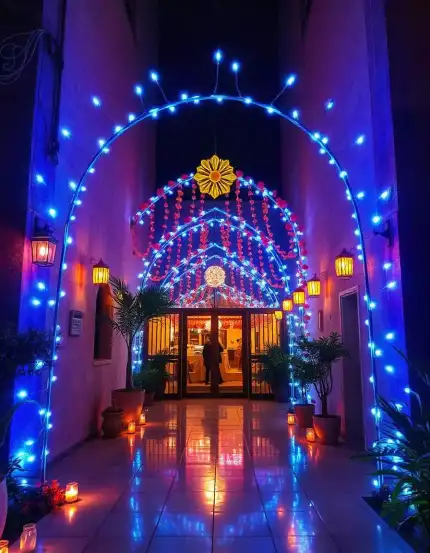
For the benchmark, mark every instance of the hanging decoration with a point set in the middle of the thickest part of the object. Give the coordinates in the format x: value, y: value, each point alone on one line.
x: 287, y: 305
x: 100, y: 273
x: 43, y: 248
x: 344, y: 264
x: 314, y: 287
x: 215, y: 176
x: 215, y: 276
x: 299, y: 297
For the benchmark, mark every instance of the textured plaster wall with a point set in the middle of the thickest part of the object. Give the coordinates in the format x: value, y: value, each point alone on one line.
x: 341, y: 55
x: 102, y: 57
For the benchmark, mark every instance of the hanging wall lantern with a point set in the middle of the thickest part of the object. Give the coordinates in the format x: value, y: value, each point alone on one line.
x: 100, y: 273
x: 278, y: 315
x: 344, y: 264
x: 43, y: 247
x: 314, y: 287
x: 287, y: 305
x: 299, y: 297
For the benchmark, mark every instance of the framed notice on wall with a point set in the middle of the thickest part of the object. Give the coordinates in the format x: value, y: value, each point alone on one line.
x: 75, y: 324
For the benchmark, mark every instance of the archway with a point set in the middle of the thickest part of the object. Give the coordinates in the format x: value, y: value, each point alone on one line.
x: 293, y: 118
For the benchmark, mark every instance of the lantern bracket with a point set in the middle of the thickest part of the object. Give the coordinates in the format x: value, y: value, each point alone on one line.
x: 386, y: 232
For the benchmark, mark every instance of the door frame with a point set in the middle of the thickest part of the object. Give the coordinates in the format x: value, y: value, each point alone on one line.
x: 354, y: 290
x: 213, y: 313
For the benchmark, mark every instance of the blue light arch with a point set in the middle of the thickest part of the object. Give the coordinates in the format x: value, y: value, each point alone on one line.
x: 320, y: 141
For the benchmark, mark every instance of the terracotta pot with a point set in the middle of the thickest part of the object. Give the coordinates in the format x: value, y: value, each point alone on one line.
x: 304, y: 413
x: 112, y: 423
x: 130, y: 401
x: 327, y: 429
x: 149, y: 399
x: 3, y: 505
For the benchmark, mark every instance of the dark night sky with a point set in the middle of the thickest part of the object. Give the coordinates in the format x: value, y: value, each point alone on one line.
x: 189, y: 32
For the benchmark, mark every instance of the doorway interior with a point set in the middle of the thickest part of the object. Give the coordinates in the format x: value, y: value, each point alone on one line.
x: 202, y: 360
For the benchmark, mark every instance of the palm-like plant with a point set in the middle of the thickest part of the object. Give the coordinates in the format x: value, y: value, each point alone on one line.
x: 132, y: 311
x: 403, y: 453
x: 323, y: 352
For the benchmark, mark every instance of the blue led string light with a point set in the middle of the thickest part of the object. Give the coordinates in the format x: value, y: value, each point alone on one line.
x: 293, y: 119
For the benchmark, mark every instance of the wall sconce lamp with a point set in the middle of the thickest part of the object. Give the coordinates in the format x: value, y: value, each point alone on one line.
x: 386, y: 232
x: 43, y: 246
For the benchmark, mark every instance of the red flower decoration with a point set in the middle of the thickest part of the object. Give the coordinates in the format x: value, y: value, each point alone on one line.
x: 160, y: 192
x: 143, y: 206
x: 239, y: 174
x: 260, y: 186
x: 281, y: 203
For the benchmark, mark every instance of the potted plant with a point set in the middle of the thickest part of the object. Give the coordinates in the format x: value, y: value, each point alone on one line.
x: 112, y: 422
x: 131, y: 312
x: 275, y: 372
x: 152, y: 378
x: 404, y: 460
x: 6, y: 470
x: 303, y: 371
x: 326, y: 351
x: 21, y: 353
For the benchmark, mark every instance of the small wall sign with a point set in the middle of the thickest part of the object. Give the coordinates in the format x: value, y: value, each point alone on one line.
x: 76, y: 320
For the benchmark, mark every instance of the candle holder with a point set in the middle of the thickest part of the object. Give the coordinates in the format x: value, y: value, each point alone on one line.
x: 72, y: 492
x: 4, y: 546
x: 28, y: 539
x: 131, y: 428
x: 142, y: 418
x: 291, y: 418
x: 310, y: 434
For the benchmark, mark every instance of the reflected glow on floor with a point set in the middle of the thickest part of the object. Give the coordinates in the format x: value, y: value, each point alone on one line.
x: 209, y: 476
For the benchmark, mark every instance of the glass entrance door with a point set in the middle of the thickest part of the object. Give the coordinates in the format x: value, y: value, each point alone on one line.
x: 214, y: 354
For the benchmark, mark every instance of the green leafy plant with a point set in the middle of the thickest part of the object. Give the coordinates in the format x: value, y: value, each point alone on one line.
x: 14, y: 487
x: 153, y: 375
x: 323, y: 353
x: 132, y: 311
x: 274, y: 369
x: 24, y: 352
x: 403, y: 453
x: 303, y: 372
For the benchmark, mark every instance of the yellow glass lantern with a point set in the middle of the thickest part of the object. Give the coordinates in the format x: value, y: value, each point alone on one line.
x: 142, y: 419
x: 310, y: 435
x: 291, y: 418
x: 131, y: 428
x: 4, y: 546
x: 72, y: 492
x: 278, y: 315
x: 287, y: 305
x: 344, y: 264
x: 314, y: 287
x: 43, y: 248
x: 299, y: 297
x: 100, y: 273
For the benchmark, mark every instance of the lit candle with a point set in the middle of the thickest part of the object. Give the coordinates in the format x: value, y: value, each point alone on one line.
x: 291, y: 418
x: 4, y: 546
x: 131, y: 429
x: 310, y: 434
x: 72, y: 492
x: 142, y: 418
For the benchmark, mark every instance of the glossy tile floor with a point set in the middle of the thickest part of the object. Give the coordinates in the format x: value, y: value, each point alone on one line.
x: 216, y: 476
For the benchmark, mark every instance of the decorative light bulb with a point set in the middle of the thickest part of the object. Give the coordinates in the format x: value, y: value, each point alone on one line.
x: 218, y: 56
x: 329, y: 105
x: 153, y: 75
x: 138, y: 90
x: 235, y: 66
x: 290, y: 80
x: 96, y: 101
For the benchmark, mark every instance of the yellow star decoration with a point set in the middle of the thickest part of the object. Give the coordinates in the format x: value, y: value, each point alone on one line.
x: 215, y: 176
